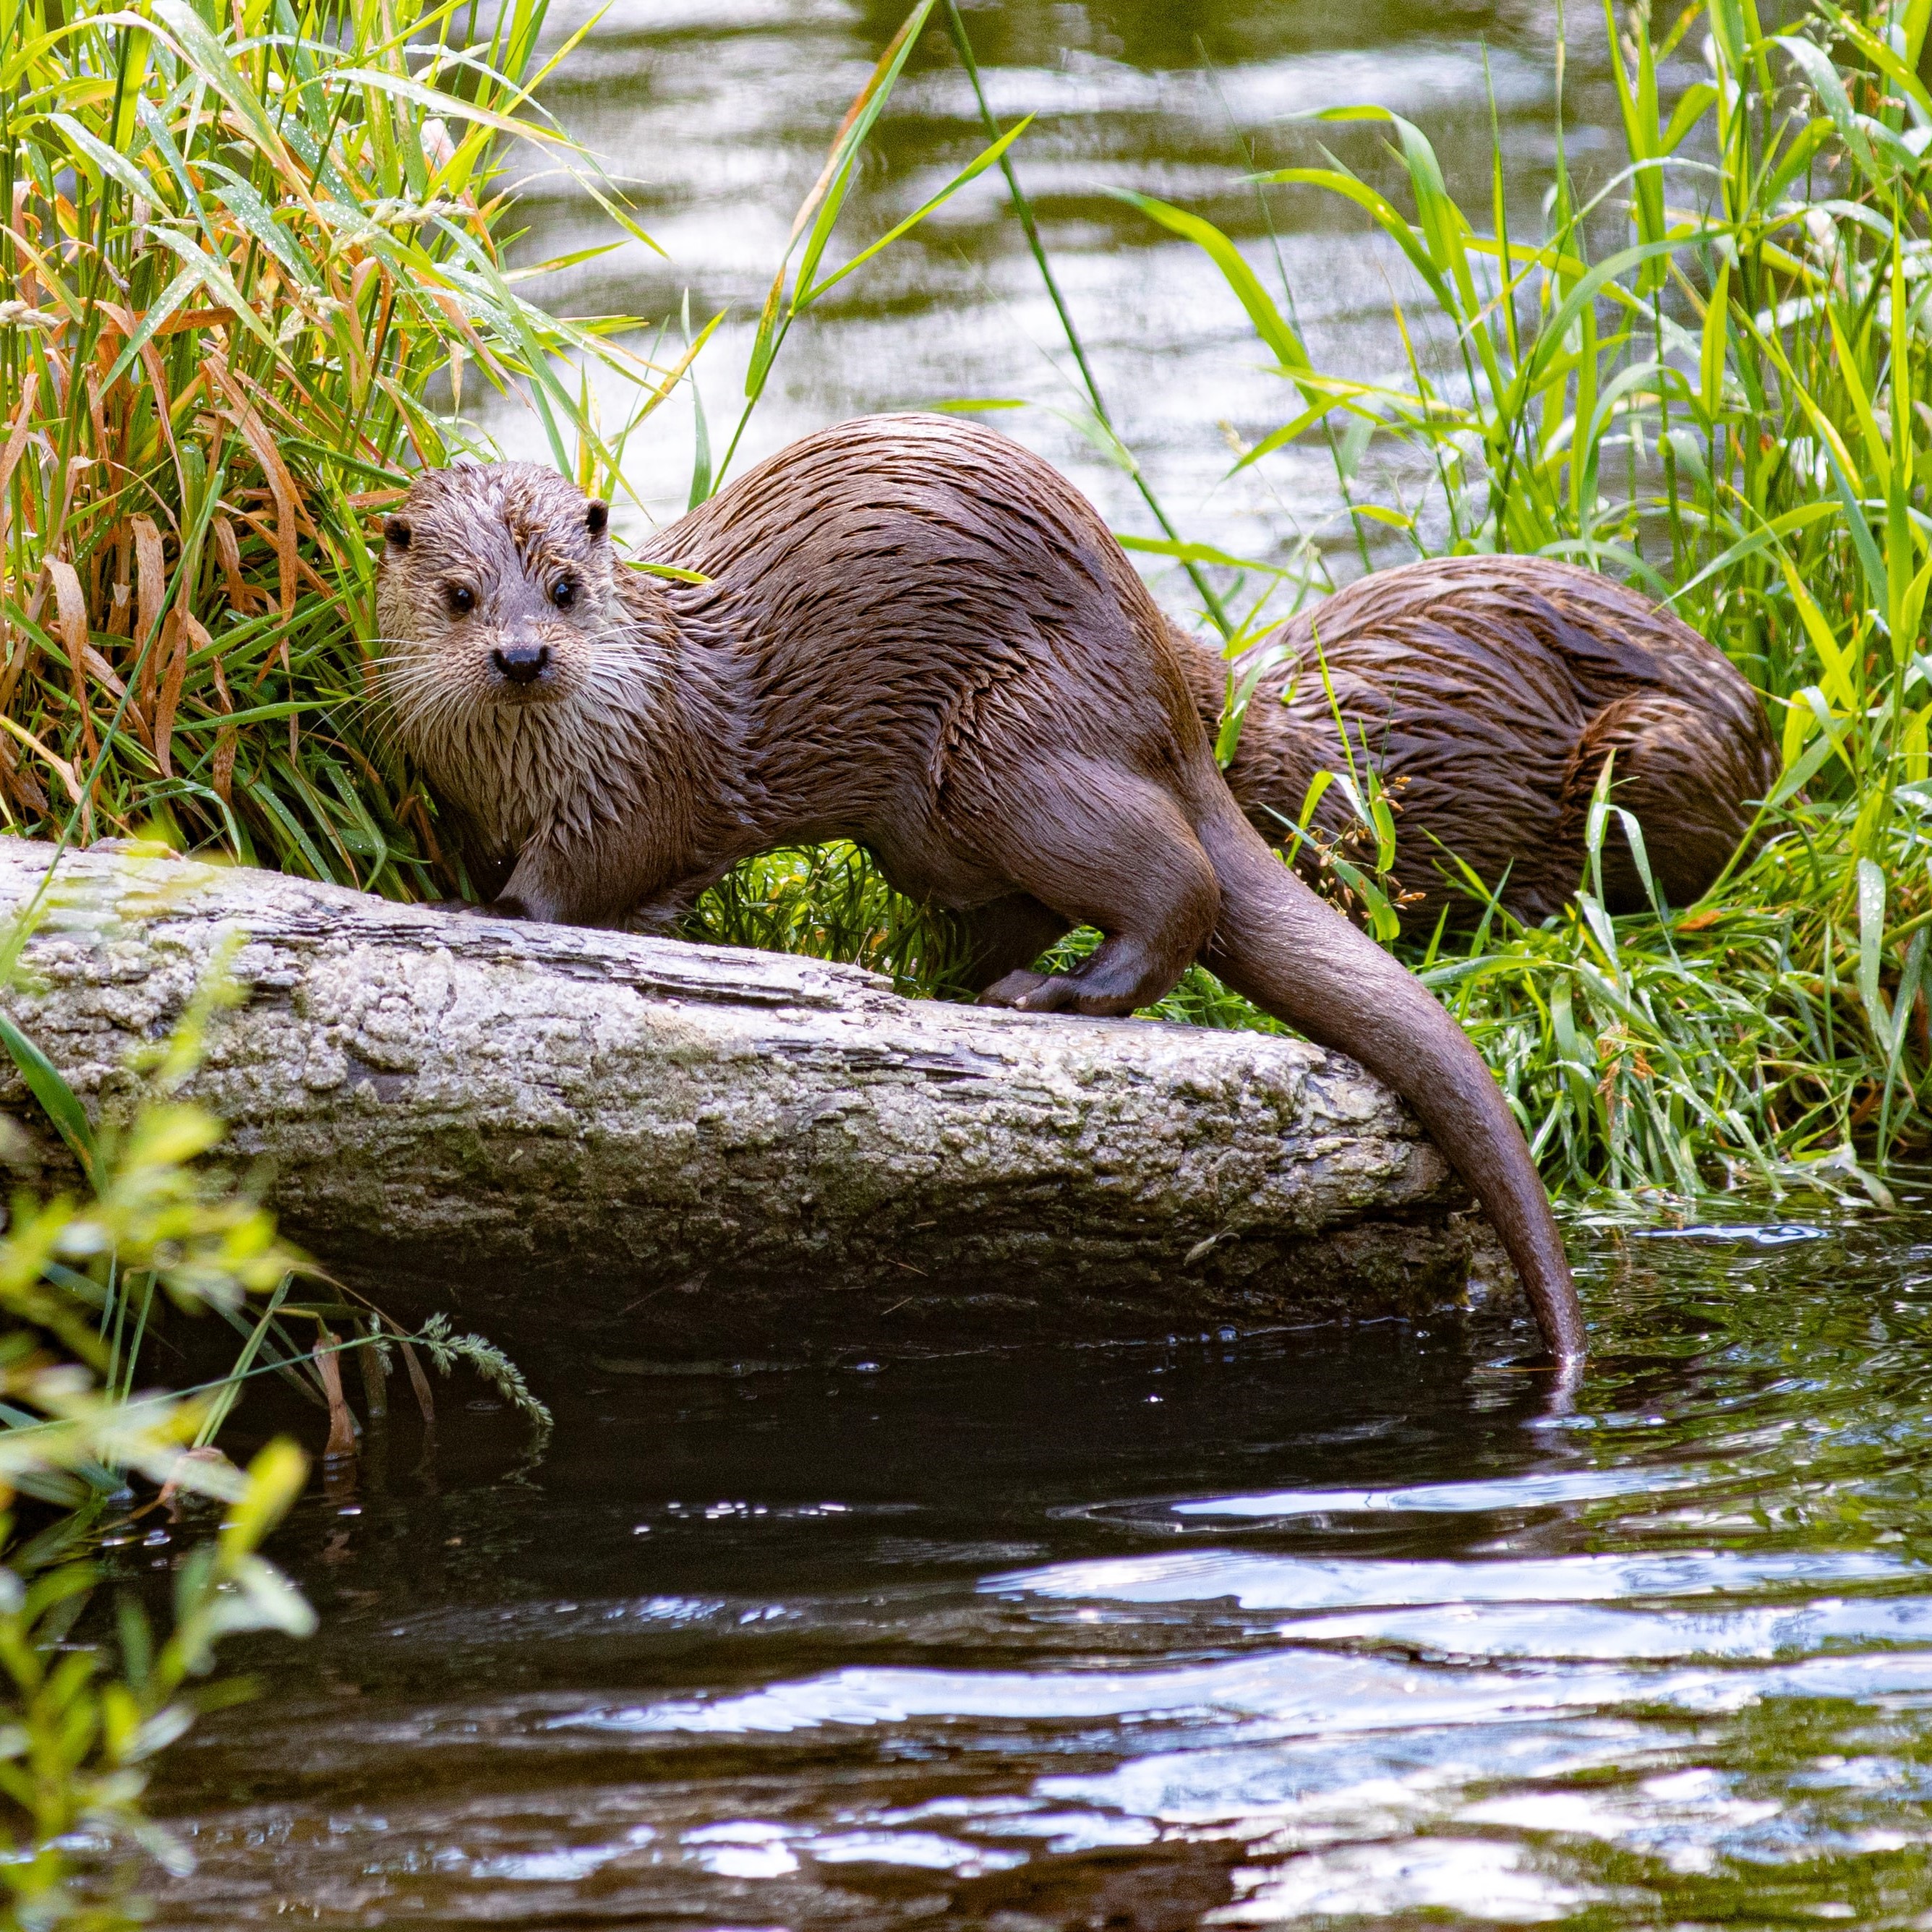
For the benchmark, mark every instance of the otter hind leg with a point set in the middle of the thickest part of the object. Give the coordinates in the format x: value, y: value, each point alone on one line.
x: 1006, y: 936
x: 1104, y: 848
x: 1691, y: 781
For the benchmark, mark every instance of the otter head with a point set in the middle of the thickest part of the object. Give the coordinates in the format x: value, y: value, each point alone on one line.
x: 496, y: 593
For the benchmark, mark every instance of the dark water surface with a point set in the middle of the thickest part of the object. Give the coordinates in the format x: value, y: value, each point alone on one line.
x: 1321, y: 1627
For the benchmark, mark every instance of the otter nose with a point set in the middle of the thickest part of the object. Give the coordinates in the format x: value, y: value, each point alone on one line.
x: 521, y: 664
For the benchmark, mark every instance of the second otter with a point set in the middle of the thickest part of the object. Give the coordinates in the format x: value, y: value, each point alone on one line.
x: 1485, y: 693
x: 915, y: 635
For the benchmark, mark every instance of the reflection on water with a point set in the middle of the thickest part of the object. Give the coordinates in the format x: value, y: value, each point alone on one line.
x: 722, y: 109
x: 1324, y: 1627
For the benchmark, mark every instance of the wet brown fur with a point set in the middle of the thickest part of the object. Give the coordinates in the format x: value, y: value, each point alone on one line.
x: 1486, y: 692
x: 915, y: 635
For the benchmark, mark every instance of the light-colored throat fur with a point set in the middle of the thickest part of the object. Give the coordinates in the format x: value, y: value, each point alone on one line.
x: 557, y: 770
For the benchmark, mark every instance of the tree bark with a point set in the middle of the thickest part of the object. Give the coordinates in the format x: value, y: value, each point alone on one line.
x: 654, y: 1147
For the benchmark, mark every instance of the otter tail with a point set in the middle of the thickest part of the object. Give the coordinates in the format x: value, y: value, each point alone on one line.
x: 1277, y: 943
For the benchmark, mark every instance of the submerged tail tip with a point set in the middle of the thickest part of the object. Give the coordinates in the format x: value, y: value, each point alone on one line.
x: 1559, y: 1317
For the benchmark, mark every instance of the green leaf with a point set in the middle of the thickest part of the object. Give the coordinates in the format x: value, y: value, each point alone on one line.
x: 1824, y: 80
x: 972, y: 171
x: 275, y: 1479
x: 1380, y: 210
x: 1269, y: 323
x: 830, y: 194
x: 47, y: 1085
x: 111, y: 164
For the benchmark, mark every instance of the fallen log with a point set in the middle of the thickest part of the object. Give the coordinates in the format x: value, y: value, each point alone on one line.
x: 692, y: 1149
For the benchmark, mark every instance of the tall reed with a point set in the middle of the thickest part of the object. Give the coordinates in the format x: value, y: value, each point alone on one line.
x: 250, y: 259
x: 1728, y: 404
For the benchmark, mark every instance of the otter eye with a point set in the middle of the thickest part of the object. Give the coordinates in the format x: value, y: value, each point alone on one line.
x: 563, y: 593
x: 462, y: 599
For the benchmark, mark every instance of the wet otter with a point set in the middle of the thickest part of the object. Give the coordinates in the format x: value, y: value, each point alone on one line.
x: 1485, y: 692
x: 916, y: 635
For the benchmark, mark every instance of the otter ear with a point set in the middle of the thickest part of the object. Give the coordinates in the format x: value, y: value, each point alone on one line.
x: 596, y: 514
x: 397, y: 532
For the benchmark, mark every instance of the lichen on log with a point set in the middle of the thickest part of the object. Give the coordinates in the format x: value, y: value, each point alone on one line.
x: 695, y: 1149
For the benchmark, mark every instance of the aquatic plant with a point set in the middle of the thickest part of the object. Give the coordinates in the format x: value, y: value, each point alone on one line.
x: 250, y: 258
x: 85, y: 1707
x: 84, y: 1711
x: 1707, y: 373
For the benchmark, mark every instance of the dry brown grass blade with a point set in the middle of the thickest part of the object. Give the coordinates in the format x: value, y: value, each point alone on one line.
x: 16, y: 439
x: 151, y: 577
x: 9, y: 458
x: 174, y: 648
x: 224, y: 739
x: 20, y: 784
x: 281, y: 484
x: 118, y: 619
x: 341, y: 1423
x: 97, y: 413
x: 70, y: 618
x: 18, y: 662
x: 228, y: 553
x: 258, y: 521
x: 27, y: 288
x: 103, y: 672
x: 453, y: 314
x: 418, y: 1381
x: 109, y: 679
x: 34, y: 745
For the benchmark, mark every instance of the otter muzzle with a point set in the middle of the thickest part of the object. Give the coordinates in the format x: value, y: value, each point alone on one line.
x: 521, y: 664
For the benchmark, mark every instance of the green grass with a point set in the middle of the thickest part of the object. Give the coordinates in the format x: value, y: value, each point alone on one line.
x: 1726, y: 401
x: 85, y: 1280
x: 258, y: 260
x: 1705, y: 371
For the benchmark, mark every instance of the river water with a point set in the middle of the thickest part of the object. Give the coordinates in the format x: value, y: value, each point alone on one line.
x: 720, y: 113
x: 1327, y: 1627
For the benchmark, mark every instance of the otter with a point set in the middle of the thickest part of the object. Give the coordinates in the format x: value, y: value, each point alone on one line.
x: 911, y: 633
x: 1485, y: 692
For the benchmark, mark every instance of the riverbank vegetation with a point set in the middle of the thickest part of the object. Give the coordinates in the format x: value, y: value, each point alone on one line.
x: 238, y: 249
x: 241, y: 247
x: 1705, y: 369
x: 81, y: 1280
x: 92, y: 1280
x: 255, y: 259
